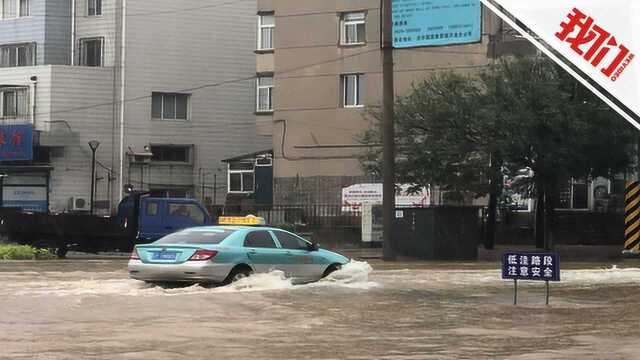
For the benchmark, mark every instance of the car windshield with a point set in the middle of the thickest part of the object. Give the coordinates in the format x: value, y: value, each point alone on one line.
x: 196, y: 236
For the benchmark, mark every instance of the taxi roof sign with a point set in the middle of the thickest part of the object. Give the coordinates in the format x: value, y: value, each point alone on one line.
x: 241, y: 220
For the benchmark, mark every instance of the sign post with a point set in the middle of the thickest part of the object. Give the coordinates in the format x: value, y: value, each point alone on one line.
x: 533, y: 266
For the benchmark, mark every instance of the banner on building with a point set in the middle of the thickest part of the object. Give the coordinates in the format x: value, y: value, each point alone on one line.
x: 27, y: 198
x: 595, y: 41
x: 354, y: 196
x: 436, y: 22
x: 16, y: 142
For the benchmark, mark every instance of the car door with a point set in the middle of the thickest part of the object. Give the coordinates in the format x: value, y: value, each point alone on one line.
x: 262, y: 251
x: 151, y: 222
x: 300, y: 262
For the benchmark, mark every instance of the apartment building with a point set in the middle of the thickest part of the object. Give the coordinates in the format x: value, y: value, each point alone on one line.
x: 320, y: 74
x: 162, y: 88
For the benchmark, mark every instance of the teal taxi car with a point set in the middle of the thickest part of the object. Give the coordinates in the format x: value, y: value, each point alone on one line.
x: 225, y: 253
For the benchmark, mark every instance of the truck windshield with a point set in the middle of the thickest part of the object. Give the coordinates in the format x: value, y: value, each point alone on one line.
x: 196, y: 236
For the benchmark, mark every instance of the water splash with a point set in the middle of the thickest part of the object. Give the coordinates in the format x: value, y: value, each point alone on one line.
x: 273, y: 280
x: 353, y: 275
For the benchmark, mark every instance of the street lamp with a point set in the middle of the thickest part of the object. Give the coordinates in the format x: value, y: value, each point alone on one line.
x: 93, y: 144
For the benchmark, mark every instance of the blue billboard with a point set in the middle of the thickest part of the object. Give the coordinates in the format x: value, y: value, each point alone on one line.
x: 16, y: 142
x: 436, y: 22
x: 540, y: 266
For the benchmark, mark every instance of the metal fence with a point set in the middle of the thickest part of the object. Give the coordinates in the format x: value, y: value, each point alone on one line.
x: 323, y: 215
x: 323, y: 223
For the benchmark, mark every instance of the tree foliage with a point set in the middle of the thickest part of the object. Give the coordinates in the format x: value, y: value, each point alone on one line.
x: 464, y: 133
x: 436, y: 135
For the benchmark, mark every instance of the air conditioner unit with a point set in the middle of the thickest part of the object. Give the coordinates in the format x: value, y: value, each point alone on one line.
x: 78, y: 203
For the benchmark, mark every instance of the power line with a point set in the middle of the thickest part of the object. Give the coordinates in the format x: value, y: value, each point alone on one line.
x: 187, y: 9
x: 253, y: 77
x: 436, y: 68
x: 150, y: 13
x: 204, y: 86
x: 327, y: 12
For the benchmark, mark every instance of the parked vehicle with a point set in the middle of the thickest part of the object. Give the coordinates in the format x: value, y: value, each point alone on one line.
x: 140, y: 219
x: 223, y: 254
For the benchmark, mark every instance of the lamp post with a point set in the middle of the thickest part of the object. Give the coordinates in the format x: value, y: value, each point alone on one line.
x: 93, y: 144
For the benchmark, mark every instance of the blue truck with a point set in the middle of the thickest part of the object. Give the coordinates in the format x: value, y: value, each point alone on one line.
x: 140, y: 219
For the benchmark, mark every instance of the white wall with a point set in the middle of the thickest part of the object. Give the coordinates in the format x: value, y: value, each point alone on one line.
x: 172, y: 49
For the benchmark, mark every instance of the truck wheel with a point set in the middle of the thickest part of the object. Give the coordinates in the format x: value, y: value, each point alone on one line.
x: 62, y: 252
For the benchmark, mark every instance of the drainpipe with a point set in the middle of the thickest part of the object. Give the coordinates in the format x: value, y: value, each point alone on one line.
x: 122, y: 95
x: 34, y: 81
x: 73, y: 32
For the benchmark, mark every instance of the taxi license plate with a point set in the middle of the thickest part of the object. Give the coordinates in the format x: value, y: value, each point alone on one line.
x: 164, y: 255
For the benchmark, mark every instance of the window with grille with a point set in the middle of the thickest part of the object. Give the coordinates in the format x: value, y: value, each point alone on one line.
x: 171, y: 153
x: 94, y: 7
x: 169, y: 106
x: 91, y: 52
x: 14, y: 102
x: 241, y: 177
x: 266, y: 27
x: 353, y: 28
x: 264, y: 94
x: 352, y: 90
x: 17, y: 55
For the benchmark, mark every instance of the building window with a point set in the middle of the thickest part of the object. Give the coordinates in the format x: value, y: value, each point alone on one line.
x: 14, y: 102
x: 264, y: 94
x: 573, y: 195
x: 91, y: 52
x: 12, y: 9
x: 353, y: 28
x: 94, y: 7
x: 17, y: 55
x: 166, y: 106
x: 25, y: 8
x: 8, y: 9
x: 266, y: 27
x: 352, y: 86
x: 241, y: 177
x: 191, y: 211
x: 171, y: 153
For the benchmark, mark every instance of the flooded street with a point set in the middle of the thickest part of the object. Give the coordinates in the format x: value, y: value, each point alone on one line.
x: 81, y: 309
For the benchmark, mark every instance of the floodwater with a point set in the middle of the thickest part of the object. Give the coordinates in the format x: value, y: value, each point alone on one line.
x: 84, y: 309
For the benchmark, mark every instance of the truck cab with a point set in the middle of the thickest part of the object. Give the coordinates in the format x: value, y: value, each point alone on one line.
x: 154, y: 218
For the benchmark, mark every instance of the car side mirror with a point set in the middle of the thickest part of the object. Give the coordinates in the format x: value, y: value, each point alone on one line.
x: 313, y: 247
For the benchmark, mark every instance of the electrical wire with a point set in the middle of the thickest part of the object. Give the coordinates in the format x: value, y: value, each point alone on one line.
x: 151, y: 13
x: 204, y: 86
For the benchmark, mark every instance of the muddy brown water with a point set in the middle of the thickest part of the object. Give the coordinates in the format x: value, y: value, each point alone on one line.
x: 89, y: 309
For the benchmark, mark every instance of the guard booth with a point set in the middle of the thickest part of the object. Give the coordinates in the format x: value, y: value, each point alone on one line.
x: 438, y: 233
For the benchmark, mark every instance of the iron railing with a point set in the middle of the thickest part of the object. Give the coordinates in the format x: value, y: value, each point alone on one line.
x: 317, y: 215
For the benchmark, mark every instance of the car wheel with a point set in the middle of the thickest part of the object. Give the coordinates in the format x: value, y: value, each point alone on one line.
x: 237, y: 274
x: 330, y: 269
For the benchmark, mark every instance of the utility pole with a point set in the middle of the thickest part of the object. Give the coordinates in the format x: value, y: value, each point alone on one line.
x: 388, y: 134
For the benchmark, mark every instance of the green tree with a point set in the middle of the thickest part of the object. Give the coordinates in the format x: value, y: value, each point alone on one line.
x: 436, y: 135
x: 465, y: 132
x: 544, y: 120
